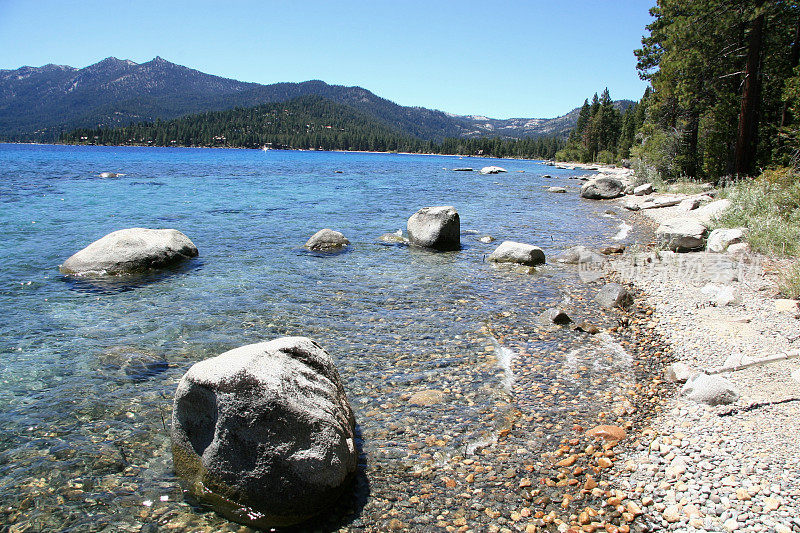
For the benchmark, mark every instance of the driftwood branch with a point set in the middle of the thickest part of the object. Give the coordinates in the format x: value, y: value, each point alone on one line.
x: 767, y: 360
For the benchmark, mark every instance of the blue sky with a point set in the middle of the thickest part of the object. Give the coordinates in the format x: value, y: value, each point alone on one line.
x: 497, y: 58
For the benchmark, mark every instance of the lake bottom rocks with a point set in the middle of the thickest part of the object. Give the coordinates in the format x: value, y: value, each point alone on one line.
x: 264, y: 433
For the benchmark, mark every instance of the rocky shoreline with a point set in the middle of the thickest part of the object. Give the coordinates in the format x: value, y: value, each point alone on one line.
x: 723, y: 468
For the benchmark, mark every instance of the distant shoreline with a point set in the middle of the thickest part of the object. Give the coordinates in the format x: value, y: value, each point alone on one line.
x: 288, y: 150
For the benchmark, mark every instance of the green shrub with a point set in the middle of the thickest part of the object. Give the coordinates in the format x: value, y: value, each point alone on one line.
x: 606, y: 157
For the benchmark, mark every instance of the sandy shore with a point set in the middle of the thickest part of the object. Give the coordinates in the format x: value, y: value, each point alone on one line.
x: 726, y: 468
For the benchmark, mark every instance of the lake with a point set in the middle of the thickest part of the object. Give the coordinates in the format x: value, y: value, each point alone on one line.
x: 88, y: 372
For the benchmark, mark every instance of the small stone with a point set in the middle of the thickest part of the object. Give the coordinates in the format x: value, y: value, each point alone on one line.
x: 604, y: 462
x: 671, y: 514
x: 783, y: 305
x: 742, y: 495
x: 607, y: 432
x: 771, y: 504
x: 731, y: 525
x: 569, y: 461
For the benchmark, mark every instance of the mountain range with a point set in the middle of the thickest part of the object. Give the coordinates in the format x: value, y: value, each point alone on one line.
x: 39, y: 103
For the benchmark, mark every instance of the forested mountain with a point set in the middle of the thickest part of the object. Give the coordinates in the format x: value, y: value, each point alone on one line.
x: 308, y: 122
x: 40, y: 103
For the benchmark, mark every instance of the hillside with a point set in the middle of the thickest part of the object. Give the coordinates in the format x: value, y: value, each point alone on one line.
x: 39, y: 103
x: 306, y: 123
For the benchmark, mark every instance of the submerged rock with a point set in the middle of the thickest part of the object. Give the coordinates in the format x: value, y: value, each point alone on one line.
x: 613, y: 295
x: 394, y: 238
x: 435, y: 227
x: 710, y: 389
x: 602, y: 188
x: 131, y: 251
x: 264, y: 433
x: 607, y: 432
x: 109, y: 175
x: 132, y: 363
x: 517, y: 252
x: 326, y: 240
x: 424, y: 398
x: 463, y: 169
x: 682, y: 234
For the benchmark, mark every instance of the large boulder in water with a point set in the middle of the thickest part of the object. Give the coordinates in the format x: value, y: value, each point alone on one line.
x: 131, y: 251
x: 602, y: 189
x: 435, y: 227
x: 517, y: 252
x: 264, y: 432
x: 327, y: 240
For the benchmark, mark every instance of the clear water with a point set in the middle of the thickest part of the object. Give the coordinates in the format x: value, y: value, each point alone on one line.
x: 83, y: 440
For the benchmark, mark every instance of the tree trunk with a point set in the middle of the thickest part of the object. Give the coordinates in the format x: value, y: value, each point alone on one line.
x: 795, y: 59
x: 692, y: 132
x: 747, y: 138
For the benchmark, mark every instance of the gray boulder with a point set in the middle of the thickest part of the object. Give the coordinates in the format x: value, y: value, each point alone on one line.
x: 709, y: 389
x: 682, y: 234
x: 326, y: 240
x: 264, y: 432
x: 613, y: 295
x: 710, y: 212
x: 517, y: 252
x: 643, y: 190
x: 555, y: 316
x: 720, y: 239
x: 435, y: 227
x: 131, y: 251
x: 557, y: 189
x: 578, y: 255
x: 602, y: 188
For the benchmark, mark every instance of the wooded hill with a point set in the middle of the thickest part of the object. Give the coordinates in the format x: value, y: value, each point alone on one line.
x: 306, y: 123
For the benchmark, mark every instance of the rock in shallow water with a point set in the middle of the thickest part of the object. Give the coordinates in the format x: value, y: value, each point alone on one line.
x: 555, y: 316
x: 437, y: 227
x: 131, y: 251
x: 602, y: 188
x: 613, y: 295
x: 264, y: 433
x: 327, y: 240
x: 517, y: 252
